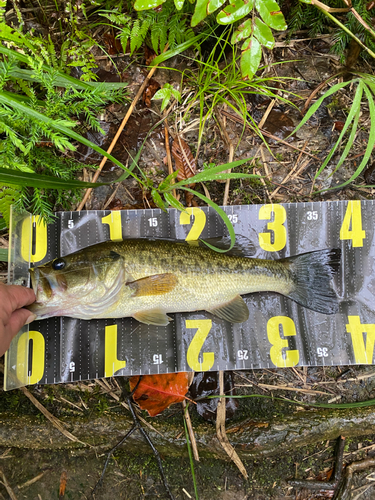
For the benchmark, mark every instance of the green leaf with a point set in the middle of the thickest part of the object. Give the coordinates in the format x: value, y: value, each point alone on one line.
x: 222, y: 214
x: 18, y: 178
x: 316, y: 105
x: 271, y: 14
x: 235, y: 11
x: 3, y: 254
x: 14, y: 103
x: 167, y: 182
x: 2, y: 224
x: 157, y: 199
x: 179, y: 4
x: 200, y: 12
x: 61, y: 79
x: 147, y: 4
x: 162, y: 94
x: 243, y: 31
x: 370, y: 142
x: 264, y: 34
x: 353, y: 110
x: 215, y: 174
x: 214, y: 5
x: 171, y: 200
x: 250, y: 57
x: 178, y: 49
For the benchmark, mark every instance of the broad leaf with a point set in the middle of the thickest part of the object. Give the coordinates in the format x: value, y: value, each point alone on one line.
x: 18, y: 178
x: 179, y: 4
x: 243, y: 31
x: 250, y: 57
x: 271, y: 14
x: 156, y: 392
x: 235, y: 11
x: 264, y: 34
x: 147, y: 4
x: 214, y: 5
x: 200, y: 12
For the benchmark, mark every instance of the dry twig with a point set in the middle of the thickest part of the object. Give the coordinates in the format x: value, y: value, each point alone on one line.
x: 221, y: 432
x: 118, y: 133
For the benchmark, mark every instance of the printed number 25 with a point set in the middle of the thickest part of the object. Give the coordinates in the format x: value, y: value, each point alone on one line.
x: 278, y: 213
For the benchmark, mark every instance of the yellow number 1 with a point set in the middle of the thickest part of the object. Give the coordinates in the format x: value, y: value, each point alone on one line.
x: 353, y: 217
x: 115, y: 227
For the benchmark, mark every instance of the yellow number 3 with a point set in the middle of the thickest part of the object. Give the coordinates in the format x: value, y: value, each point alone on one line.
x: 276, y: 226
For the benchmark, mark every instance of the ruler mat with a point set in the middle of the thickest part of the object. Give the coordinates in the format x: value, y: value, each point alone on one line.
x: 279, y: 332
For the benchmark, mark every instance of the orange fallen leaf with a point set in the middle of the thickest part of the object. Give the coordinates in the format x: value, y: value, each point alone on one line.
x: 63, y: 480
x: 156, y: 392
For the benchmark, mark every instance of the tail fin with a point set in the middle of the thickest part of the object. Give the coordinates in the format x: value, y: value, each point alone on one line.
x: 312, y: 273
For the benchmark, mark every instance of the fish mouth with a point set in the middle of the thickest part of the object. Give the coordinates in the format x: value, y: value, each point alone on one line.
x: 34, y: 276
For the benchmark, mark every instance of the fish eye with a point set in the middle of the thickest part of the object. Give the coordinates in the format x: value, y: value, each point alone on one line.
x: 58, y: 264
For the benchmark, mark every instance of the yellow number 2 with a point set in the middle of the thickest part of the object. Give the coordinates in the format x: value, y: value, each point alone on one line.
x: 208, y: 358
x: 276, y: 226
x: 280, y: 358
x: 198, y: 224
x: 353, y: 217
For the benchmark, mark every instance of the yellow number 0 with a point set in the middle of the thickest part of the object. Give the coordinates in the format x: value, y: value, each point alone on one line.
x: 198, y: 224
x: 279, y: 357
x: 40, y: 235
x: 37, y: 362
x: 277, y: 226
x: 204, y: 326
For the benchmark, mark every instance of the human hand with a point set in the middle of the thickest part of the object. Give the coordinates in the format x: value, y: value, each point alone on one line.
x: 12, y: 315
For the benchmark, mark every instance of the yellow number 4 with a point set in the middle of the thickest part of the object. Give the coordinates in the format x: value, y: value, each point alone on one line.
x: 353, y: 218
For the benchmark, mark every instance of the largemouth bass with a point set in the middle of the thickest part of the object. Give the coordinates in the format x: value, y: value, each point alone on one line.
x: 147, y: 279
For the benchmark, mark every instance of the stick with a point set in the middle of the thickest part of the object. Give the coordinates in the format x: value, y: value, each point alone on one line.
x: 221, y: 432
x: 120, y: 129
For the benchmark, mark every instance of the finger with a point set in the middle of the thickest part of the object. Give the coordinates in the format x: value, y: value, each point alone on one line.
x: 18, y: 319
x: 18, y: 296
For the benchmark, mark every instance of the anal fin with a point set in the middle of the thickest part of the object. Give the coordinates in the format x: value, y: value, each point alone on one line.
x: 152, y: 317
x: 234, y: 311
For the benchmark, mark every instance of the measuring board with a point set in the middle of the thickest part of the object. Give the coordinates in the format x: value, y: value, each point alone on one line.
x: 278, y: 333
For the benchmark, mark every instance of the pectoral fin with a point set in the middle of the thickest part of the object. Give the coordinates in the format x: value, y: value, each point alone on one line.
x: 153, y: 317
x: 235, y: 311
x: 158, y: 284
